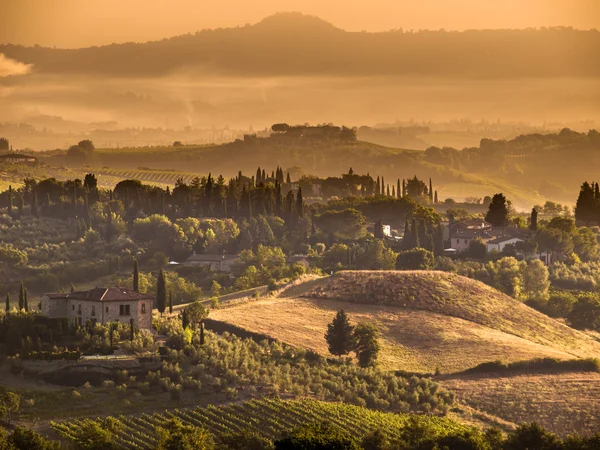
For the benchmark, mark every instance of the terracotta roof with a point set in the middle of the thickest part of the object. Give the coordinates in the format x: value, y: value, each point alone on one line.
x: 111, y: 294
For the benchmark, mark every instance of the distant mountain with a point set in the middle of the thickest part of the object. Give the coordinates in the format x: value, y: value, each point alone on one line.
x: 295, y: 44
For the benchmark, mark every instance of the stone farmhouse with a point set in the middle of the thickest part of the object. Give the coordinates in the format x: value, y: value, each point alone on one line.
x: 17, y: 158
x: 102, y: 305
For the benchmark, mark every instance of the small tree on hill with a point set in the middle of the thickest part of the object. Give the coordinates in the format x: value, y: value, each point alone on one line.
x: 339, y: 335
x: 161, y: 292
x: 366, y: 344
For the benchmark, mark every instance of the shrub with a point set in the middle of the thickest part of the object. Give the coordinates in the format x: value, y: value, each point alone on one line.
x: 586, y: 313
x: 415, y: 259
x: 560, y: 304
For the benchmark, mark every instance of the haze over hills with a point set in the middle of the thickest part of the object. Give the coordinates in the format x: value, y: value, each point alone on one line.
x: 295, y: 44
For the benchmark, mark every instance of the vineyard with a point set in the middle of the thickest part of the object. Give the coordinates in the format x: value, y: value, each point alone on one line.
x: 270, y: 417
x: 155, y: 177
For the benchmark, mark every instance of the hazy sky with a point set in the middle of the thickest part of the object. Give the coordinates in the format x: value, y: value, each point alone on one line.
x: 77, y: 23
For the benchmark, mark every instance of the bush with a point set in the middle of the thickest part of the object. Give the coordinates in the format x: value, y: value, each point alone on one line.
x: 585, y: 314
x: 415, y: 259
x: 560, y: 304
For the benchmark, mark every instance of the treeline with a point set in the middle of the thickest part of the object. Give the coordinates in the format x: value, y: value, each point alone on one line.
x: 328, y: 50
x: 524, y: 150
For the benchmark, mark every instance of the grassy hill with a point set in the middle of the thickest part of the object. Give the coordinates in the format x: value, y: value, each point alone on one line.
x: 427, y: 320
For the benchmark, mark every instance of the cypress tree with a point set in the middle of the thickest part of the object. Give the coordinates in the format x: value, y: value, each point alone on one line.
x: 25, y: 302
x: 263, y: 176
x: 201, y: 333
x: 131, y: 330
x: 258, y: 176
x: 438, y: 242
x: 377, y: 187
x: 414, y: 234
x: 10, y: 200
x: 136, y: 276
x: 394, y: 191
x: 378, y: 232
x: 534, y: 218
x: 339, y: 335
x: 382, y: 187
x: 7, y: 307
x: 430, y: 191
x: 288, y: 179
x: 299, y: 203
x: 161, y: 292
x: 398, y: 189
x: 435, y: 198
x: 388, y: 190
x: 21, y: 296
x: 170, y: 302
x: 403, y: 188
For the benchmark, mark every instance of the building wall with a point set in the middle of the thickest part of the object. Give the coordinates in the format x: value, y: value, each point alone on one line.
x: 53, y: 307
x: 80, y: 311
x: 460, y: 244
x: 500, y: 246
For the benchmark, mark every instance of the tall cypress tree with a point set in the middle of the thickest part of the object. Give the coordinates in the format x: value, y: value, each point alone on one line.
x: 339, y: 335
x: 398, y: 189
x: 7, y: 307
x: 288, y: 180
x: 21, y: 296
x: 382, y: 186
x: 299, y: 203
x: 534, y: 219
x: 161, y: 292
x: 136, y: 276
x: 403, y: 188
x: 435, y: 198
x: 25, y: 302
x: 430, y: 191
x: 438, y: 242
x: 170, y: 302
x: 377, y: 187
x: 414, y: 234
x: 10, y: 200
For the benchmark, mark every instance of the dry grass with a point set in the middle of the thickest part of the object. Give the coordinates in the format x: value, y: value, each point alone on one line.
x: 412, y: 340
x: 567, y: 403
x: 451, y: 295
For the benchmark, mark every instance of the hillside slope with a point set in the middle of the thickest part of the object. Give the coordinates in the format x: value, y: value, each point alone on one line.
x: 451, y: 295
x: 427, y: 320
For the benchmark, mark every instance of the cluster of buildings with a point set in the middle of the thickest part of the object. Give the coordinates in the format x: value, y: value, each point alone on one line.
x: 461, y: 234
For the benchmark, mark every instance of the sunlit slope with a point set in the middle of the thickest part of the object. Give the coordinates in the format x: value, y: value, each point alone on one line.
x: 427, y: 320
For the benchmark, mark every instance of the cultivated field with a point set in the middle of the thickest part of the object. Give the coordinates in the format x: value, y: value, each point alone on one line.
x: 565, y: 403
x: 269, y: 417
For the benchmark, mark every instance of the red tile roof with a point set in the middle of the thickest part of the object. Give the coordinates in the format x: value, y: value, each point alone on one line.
x: 111, y: 294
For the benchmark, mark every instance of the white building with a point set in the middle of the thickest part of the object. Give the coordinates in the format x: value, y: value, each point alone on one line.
x: 462, y: 239
x: 499, y: 243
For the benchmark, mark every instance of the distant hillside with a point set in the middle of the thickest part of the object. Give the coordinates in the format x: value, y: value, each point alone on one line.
x: 427, y: 320
x: 293, y: 44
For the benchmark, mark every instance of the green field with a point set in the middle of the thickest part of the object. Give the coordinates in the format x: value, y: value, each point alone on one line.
x: 269, y: 417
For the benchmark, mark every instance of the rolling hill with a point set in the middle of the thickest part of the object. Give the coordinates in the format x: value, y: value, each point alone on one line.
x: 271, y: 47
x: 427, y: 320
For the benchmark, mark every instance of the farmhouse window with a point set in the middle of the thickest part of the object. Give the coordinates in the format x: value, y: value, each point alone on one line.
x: 93, y: 310
x: 143, y: 308
x: 107, y: 309
x: 124, y: 310
x: 465, y: 241
x: 79, y: 309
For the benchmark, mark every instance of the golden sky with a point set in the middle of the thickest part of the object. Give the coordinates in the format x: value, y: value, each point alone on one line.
x: 78, y: 23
